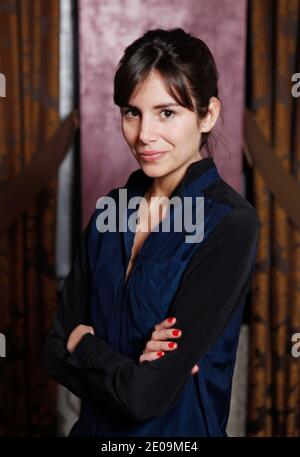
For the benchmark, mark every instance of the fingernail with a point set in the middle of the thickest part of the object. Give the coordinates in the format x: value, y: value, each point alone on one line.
x: 171, y: 345
x: 160, y: 354
x: 170, y: 319
x: 175, y: 332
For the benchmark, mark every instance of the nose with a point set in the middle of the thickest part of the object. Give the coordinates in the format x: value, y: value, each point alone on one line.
x: 147, y: 131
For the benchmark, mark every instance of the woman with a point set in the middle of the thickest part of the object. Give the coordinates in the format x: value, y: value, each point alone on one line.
x: 110, y: 340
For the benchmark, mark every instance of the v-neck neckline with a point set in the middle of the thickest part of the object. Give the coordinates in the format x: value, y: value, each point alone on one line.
x: 127, y: 277
x: 137, y: 185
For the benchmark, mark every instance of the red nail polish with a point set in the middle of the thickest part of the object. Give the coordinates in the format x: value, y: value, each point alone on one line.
x: 170, y: 319
x: 171, y: 345
x: 160, y: 354
x: 175, y: 332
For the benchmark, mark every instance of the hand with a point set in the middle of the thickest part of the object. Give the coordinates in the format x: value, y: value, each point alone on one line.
x: 76, y: 335
x: 155, y: 347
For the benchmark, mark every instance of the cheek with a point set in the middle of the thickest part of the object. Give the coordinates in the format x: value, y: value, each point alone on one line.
x: 129, y: 132
x: 183, y: 132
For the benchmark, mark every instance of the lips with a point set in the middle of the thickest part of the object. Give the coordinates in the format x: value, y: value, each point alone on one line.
x: 148, y: 153
x: 150, y: 156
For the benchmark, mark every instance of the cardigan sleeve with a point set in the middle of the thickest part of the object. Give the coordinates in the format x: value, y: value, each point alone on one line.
x: 214, y: 285
x: 73, y: 310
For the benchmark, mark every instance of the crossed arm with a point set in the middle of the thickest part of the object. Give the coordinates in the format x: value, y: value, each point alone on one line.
x: 202, y: 308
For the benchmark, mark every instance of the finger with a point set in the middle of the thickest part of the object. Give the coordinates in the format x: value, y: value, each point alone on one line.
x: 161, y: 335
x: 195, y: 369
x: 86, y: 329
x: 154, y: 346
x: 151, y: 356
x: 166, y: 323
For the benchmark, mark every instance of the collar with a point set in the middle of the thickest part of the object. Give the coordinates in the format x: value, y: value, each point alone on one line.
x: 138, y: 182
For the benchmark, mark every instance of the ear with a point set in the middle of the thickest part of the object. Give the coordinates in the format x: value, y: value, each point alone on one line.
x: 212, y: 115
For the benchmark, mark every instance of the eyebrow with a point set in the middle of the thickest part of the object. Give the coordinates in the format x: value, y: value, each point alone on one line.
x: 165, y: 105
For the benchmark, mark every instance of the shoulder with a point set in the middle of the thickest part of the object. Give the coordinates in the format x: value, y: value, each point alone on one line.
x: 240, y: 226
x: 236, y: 233
x: 102, y: 204
x: 112, y: 197
x: 92, y: 232
x: 242, y: 215
x: 220, y: 191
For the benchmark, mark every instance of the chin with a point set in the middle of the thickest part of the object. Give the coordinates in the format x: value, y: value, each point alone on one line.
x: 151, y: 172
x: 154, y: 171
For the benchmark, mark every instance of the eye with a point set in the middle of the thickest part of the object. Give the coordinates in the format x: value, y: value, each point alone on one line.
x: 130, y: 110
x: 169, y: 113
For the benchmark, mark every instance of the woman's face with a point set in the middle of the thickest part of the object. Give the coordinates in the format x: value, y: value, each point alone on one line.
x: 154, y: 122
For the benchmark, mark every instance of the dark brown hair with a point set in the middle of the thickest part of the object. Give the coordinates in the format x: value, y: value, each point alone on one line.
x: 184, y: 62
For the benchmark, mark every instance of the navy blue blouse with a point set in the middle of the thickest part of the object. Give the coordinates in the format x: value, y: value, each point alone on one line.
x: 203, y: 284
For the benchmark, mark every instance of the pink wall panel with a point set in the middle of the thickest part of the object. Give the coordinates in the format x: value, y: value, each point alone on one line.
x: 106, y: 28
